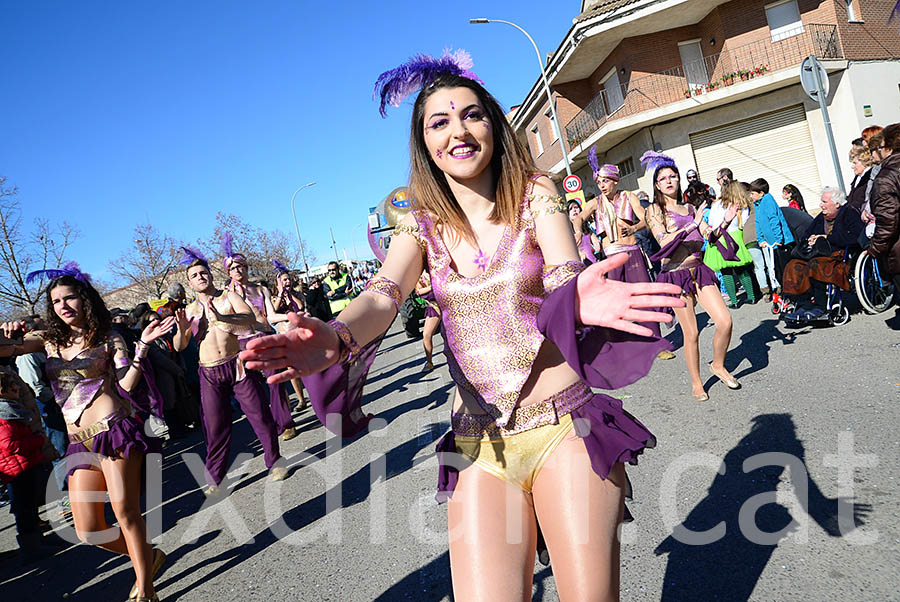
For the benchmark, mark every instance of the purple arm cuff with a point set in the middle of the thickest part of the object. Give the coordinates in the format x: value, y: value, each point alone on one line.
x: 339, y: 390
x: 672, y: 244
x: 602, y: 357
x: 725, y: 244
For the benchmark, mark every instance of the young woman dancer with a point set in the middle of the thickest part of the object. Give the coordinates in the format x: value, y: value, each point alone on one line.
x: 740, y: 266
x: 259, y: 299
x: 587, y: 242
x: 286, y: 301
x: 505, y: 272
x: 680, y: 231
x: 91, y: 376
x: 432, y: 319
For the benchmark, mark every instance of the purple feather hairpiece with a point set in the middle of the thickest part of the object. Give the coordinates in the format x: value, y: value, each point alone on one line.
x: 653, y: 161
x: 191, y: 255
x: 592, y: 160
x: 279, y: 267
x: 395, y: 85
x: 70, y: 269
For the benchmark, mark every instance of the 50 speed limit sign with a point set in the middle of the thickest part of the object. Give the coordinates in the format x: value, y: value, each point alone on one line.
x: 572, y: 183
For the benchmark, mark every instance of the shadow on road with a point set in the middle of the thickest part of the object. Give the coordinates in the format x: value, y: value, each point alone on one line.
x: 755, y: 346
x: 730, y: 567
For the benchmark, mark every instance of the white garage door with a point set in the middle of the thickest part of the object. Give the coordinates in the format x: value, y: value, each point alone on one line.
x: 775, y: 146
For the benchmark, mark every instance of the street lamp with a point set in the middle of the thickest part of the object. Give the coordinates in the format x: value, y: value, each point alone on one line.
x: 555, y: 119
x: 299, y: 241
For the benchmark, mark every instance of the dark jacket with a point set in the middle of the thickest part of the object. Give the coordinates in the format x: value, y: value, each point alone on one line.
x: 856, y: 198
x: 846, y: 230
x: 798, y: 221
x: 885, y: 204
x: 317, y: 303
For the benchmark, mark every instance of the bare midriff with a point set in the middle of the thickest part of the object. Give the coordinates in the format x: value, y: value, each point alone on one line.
x: 108, y: 402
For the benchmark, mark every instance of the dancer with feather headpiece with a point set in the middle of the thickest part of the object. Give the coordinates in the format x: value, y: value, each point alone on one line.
x: 681, y: 233
x: 216, y: 320
x: 506, y: 276
x: 286, y: 302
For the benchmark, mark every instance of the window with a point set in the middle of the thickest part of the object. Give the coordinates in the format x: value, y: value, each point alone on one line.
x: 784, y: 19
x: 626, y: 168
x: 549, y: 115
x: 538, y: 145
x: 627, y: 176
x: 612, y: 91
x: 854, y: 15
x: 693, y: 63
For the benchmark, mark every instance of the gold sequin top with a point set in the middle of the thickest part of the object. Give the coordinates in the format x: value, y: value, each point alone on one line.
x: 490, y: 320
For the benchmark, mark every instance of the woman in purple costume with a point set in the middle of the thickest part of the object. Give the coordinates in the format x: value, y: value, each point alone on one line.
x: 259, y: 299
x: 92, y: 377
x: 587, y: 242
x: 283, y: 303
x: 432, y: 319
x: 681, y: 231
x: 529, y: 440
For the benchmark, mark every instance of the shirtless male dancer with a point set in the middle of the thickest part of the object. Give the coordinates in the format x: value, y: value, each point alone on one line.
x: 617, y: 216
x: 259, y: 299
x: 216, y: 319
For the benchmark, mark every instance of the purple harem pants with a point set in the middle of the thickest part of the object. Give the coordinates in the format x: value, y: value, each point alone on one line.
x: 278, y: 398
x: 634, y: 271
x: 217, y: 384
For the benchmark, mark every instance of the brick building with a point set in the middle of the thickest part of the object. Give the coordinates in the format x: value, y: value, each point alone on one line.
x: 715, y: 84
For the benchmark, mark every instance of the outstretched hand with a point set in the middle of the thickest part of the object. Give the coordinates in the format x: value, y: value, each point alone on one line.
x: 309, y: 347
x: 618, y: 305
x: 157, y: 328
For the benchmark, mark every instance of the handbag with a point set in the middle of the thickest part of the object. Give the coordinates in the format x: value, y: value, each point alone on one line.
x: 806, y: 251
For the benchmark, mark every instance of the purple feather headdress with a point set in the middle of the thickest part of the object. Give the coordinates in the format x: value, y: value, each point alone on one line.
x: 592, y: 160
x: 228, y: 254
x: 279, y: 267
x: 70, y: 269
x: 191, y: 255
x: 395, y: 85
x: 653, y: 161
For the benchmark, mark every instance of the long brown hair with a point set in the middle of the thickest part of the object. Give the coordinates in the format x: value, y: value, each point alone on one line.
x: 97, y: 321
x: 511, y: 165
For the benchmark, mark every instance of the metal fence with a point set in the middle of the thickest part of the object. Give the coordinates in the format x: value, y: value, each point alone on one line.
x: 684, y: 81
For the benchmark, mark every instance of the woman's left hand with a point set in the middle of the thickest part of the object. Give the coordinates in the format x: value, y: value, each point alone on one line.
x: 618, y: 305
x: 731, y: 213
x: 157, y: 328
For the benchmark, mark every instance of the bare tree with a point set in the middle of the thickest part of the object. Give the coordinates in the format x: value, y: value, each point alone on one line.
x: 22, y: 251
x: 149, y: 264
x: 259, y: 246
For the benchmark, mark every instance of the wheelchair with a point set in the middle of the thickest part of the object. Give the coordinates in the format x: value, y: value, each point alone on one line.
x: 836, y: 311
x: 875, y: 293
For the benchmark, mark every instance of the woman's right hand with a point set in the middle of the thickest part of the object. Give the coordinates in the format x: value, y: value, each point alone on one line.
x: 309, y: 347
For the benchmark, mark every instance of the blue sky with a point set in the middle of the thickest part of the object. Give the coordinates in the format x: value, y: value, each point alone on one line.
x: 118, y: 113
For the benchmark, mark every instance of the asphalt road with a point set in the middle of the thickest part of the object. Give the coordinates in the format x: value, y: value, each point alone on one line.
x: 360, y: 523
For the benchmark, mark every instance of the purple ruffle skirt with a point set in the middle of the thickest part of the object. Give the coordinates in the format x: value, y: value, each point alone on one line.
x: 124, y: 437
x: 610, y: 434
x: 430, y: 312
x: 691, y: 279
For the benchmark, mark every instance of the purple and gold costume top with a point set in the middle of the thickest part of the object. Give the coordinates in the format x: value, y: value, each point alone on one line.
x: 200, y: 324
x: 686, y: 249
x: 77, y: 382
x: 490, y: 320
x: 609, y: 213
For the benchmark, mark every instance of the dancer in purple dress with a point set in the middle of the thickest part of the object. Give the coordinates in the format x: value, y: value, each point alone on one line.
x: 259, y: 299
x: 681, y: 232
x: 285, y: 301
x: 216, y: 320
x: 587, y: 242
x: 432, y: 319
x: 92, y: 378
x: 529, y: 441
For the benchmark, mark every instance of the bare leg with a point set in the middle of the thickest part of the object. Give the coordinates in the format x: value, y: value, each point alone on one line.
x: 298, y: 389
x: 488, y: 559
x: 687, y: 319
x: 431, y: 327
x: 712, y: 302
x: 123, y: 479
x: 89, y: 515
x: 579, y: 514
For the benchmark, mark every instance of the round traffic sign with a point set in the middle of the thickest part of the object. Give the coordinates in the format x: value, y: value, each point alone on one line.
x: 572, y: 183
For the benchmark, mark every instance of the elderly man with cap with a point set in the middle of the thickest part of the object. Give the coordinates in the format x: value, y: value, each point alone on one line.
x: 618, y: 215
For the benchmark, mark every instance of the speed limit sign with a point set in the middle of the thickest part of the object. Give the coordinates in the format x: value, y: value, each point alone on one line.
x: 572, y: 183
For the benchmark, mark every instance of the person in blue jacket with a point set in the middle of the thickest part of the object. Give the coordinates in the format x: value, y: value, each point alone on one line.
x: 771, y: 230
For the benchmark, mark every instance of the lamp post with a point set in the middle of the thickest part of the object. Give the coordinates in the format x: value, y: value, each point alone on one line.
x: 299, y: 241
x: 555, y: 119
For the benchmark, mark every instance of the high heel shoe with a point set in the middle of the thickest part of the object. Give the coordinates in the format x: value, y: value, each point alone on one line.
x: 159, y: 559
x: 701, y: 396
x: 730, y: 381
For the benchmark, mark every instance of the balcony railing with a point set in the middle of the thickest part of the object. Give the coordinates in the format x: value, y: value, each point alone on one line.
x: 691, y: 79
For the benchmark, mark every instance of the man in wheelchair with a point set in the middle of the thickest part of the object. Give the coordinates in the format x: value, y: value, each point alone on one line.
x: 821, y: 257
